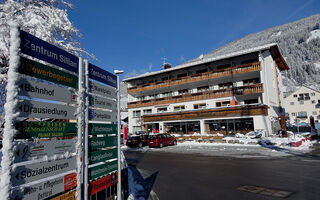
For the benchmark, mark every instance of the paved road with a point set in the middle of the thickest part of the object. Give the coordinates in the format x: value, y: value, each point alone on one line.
x: 186, y: 176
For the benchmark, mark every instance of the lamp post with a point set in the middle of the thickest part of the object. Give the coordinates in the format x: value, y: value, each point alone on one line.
x: 118, y: 72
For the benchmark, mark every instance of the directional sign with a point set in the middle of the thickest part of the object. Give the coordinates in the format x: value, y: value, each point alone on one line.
x: 102, y: 170
x: 45, y: 51
x: 34, y: 89
x: 36, y: 171
x: 102, y: 90
x: 72, y: 195
x: 103, y: 155
x: 102, y: 129
x: 99, y: 102
x: 102, y: 116
x: 103, y: 183
x: 46, y: 188
x: 102, y: 142
x: 38, y: 70
x: 37, y: 109
x: 45, y: 129
x: 103, y: 76
x: 34, y: 150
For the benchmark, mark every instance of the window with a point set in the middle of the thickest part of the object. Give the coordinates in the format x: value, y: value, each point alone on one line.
x: 164, y: 78
x: 182, y: 75
x: 178, y: 108
x: 302, y: 114
x: 199, y: 106
x: 164, y: 109
x: 136, y: 113
x: 294, y: 95
x: 293, y: 114
x: 147, y: 111
x: 301, y: 102
x: 203, y: 89
x: 251, y: 101
x: 251, y: 81
x: 314, y: 112
x: 291, y: 103
x: 224, y: 66
x: 313, y: 94
x: 201, y: 71
x: 313, y: 101
x: 225, y: 85
x: 306, y: 96
x: 249, y: 61
x: 222, y: 103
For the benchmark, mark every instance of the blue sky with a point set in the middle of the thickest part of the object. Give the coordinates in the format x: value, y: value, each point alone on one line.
x: 134, y: 35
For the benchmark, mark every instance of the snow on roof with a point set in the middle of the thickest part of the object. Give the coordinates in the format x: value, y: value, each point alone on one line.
x: 199, y: 61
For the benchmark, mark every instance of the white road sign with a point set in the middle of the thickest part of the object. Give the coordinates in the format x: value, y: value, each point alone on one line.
x: 34, y: 150
x: 102, y: 90
x: 34, y: 89
x: 45, y: 110
x: 45, y: 189
x: 35, y: 171
x: 99, y: 102
x: 102, y: 116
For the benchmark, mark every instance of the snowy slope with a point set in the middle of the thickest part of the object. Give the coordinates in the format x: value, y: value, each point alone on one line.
x: 299, y: 43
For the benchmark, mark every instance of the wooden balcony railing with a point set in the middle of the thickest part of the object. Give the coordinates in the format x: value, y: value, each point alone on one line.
x: 232, y: 111
x: 252, y: 89
x: 240, y: 69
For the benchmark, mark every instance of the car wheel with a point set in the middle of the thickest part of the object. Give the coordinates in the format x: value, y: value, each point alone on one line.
x: 174, y: 142
x: 140, y: 145
x: 161, y: 145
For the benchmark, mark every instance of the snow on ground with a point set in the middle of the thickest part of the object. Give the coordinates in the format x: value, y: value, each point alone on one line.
x: 314, y: 34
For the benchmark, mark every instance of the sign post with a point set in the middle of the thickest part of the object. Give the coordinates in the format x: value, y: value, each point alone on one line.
x: 119, y: 142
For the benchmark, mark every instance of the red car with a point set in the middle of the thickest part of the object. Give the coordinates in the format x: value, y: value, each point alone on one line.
x: 161, y: 140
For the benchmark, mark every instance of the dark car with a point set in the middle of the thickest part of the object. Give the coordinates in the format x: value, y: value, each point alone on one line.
x: 137, y: 141
x: 161, y: 140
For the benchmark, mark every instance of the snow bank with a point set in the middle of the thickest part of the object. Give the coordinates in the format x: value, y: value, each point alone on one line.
x: 314, y: 35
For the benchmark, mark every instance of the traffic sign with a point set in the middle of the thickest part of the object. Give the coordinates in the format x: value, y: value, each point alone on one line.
x: 102, y: 116
x: 34, y: 150
x: 103, y: 155
x: 35, y: 109
x: 102, y: 170
x: 30, y: 129
x: 23, y: 174
x: 103, y: 183
x: 45, y: 51
x: 102, y: 142
x: 102, y: 75
x: 67, y: 196
x: 34, y: 89
x: 41, y: 71
x: 102, y: 129
x: 106, y: 91
x: 99, y: 102
x: 45, y: 189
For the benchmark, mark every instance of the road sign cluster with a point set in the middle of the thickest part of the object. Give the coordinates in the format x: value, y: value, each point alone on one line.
x: 45, y: 155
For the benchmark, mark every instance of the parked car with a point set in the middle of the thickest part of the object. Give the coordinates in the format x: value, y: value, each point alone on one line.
x: 140, y: 133
x: 161, y: 140
x: 137, y: 141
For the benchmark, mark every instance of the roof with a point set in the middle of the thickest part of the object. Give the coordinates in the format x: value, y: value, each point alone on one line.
x: 300, y: 88
x: 274, y: 49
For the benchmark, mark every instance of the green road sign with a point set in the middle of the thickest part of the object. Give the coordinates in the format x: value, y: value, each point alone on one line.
x: 103, y: 169
x: 45, y: 129
x: 102, y: 142
x: 103, y: 155
x: 38, y: 70
x: 97, y: 129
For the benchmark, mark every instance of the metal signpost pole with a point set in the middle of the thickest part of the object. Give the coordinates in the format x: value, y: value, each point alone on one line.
x: 119, y: 142
x: 85, y: 140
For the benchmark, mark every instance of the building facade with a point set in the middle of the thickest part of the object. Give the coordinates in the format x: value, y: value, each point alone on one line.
x: 234, y: 93
x: 303, y: 104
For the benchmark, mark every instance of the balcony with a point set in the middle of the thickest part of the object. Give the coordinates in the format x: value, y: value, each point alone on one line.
x: 233, y: 111
x: 244, y: 90
x: 240, y: 69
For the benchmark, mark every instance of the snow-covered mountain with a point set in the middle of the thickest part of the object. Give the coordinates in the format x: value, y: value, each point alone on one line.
x: 299, y: 42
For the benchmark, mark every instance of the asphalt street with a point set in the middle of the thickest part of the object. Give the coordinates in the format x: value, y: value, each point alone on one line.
x: 176, y: 176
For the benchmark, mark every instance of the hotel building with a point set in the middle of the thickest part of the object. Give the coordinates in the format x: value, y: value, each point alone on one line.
x: 233, y: 93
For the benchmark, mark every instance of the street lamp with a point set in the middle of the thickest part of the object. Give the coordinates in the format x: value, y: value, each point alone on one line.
x: 118, y: 72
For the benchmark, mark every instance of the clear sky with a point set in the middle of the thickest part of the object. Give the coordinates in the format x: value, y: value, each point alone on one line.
x: 133, y: 35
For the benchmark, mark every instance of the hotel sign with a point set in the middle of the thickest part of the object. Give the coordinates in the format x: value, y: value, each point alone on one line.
x: 103, y: 76
x: 35, y: 109
x: 102, y: 129
x: 35, y: 171
x: 34, y: 89
x: 45, y: 51
x: 41, y: 71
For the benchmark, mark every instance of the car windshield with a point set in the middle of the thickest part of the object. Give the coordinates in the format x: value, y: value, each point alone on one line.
x: 134, y: 137
x: 152, y: 137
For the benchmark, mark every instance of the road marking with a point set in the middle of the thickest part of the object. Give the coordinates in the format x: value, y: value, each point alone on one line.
x: 265, y: 191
